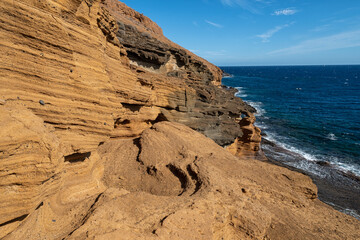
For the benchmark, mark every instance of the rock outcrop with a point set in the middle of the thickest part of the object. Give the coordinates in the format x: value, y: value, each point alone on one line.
x: 248, y: 145
x: 88, y: 88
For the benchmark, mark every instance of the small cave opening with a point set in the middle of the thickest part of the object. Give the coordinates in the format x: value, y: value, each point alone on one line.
x: 119, y: 122
x: 144, y: 60
x: 180, y: 60
x: 132, y: 107
x: 160, y: 118
x: 234, y: 115
x: 77, y: 157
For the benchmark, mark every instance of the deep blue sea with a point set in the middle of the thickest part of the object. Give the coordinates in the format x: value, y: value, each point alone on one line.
x: 311, y: 112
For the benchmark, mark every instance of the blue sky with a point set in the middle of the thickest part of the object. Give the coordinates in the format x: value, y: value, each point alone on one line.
x: 261, y: 32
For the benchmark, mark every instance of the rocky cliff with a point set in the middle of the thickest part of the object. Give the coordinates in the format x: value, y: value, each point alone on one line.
x: 96, y: 112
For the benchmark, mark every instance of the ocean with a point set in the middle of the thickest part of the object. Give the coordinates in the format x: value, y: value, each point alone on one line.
x: 310, y: 121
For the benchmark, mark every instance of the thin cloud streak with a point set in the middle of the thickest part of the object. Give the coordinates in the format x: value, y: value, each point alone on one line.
x: 214, y: 24
x: 337, y: 41
x: 321, y: 28
x: 194, y: 50
x: 267, y: 35
x: 245, y: 4
x: 285, y: 12
x: 215, y: 53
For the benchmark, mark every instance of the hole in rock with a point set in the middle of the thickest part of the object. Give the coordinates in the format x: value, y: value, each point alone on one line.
x: 14, y: 220
x: 121, y: 122
x: 40, y: 205
x: 180, y: 60
x: 132, y: 107
x: 145, y: 59
x: 160, y: 118
x: 151, y: 170
x: 233, y: 115
x: 77, y: 157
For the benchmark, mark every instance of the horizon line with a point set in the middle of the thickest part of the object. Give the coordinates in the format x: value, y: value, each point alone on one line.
x: 291, y: 65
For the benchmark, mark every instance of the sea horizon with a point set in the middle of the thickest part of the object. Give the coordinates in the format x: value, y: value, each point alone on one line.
x: 289, y: 65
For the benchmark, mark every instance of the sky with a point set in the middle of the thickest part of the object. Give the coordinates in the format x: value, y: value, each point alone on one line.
x: 261, y: 32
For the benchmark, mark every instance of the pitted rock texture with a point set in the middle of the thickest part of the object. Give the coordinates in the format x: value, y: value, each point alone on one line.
x: 68, y: 55
x: 87, y: 150
x: 40, y: 182
x: 174, y: 183
x: 65, y: 72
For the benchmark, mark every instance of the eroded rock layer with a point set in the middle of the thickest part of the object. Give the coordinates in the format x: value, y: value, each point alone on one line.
x: 83, y: 155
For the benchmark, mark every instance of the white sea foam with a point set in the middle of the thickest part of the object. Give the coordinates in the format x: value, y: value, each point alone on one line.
x: 260, y: 111
x: 311, y: 158
x: 332, y: 137
x: 275, y: 139
x: 345, y: 167
x: 240, y: 92
x: 261, y: 125
x: 351, y: 213
x: 228, y: 76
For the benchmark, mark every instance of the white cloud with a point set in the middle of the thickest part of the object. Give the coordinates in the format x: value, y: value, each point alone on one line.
x: 286, y: 12
x: 213, y: 24
x: 215, y: 53
x: 245, y: 4
x: 265, y: 36
x: 337, y: 41
x: 194, y: 50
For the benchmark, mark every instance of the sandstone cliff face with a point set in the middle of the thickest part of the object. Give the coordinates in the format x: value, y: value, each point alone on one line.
x: 84, y: 84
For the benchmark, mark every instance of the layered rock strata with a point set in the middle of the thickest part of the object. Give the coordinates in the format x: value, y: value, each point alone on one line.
x: 65, y: 67
x: 83, y: 155
x: 174, y: 183
x: 248, y: 145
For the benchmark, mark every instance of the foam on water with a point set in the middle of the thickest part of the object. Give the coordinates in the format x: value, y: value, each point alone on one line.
x: 260, y: 111
x: 334, y: 161
x: 332, y: 137
x: 240, y: 92
x: 275, y: 139
x: 346, y: 168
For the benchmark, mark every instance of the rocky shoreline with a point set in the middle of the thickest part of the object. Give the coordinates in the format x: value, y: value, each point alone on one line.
x: 337, y: 189
x: 109, y: 130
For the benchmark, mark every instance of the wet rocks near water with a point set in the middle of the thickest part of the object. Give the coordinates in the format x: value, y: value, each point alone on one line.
x: 323, y: 163
x: 142, y: 175
x: 226, y: 75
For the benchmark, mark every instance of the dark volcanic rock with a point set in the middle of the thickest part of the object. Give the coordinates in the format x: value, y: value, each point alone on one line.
x: 210, y: 109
